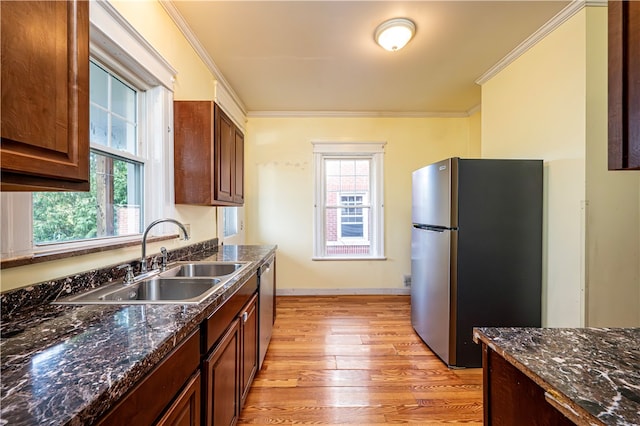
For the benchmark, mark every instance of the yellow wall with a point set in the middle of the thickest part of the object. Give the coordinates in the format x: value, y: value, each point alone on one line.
x: 193, y: 81
x: 613, y: 214
x: 279, y: 192
x: 475, y: 135
x: 551, y: 104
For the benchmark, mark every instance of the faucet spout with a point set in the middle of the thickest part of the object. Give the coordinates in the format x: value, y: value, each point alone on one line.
x: 143, y: 260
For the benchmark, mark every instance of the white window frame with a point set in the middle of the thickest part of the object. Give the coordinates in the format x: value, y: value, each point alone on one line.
x: 117, y: 45
x: 374, y: 151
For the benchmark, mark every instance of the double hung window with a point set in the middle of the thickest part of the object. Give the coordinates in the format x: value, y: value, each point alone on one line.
x: 348, y: 203
x: 114, y: 204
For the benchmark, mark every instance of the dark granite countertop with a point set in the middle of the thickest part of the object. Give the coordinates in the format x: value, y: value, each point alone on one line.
x: 592, y: 375
x: 70, y: 364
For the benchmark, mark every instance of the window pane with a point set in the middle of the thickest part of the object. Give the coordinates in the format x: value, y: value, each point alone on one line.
x: 230, y: 221
x: 348, y: 175
x: 347, y: 231
x: 113, y: 111
x: 98, y: 126
x: 347, y: 215
x: 123, y: 135
x: 98, y: 88
x: 123, y: 100
x: 111, y: 208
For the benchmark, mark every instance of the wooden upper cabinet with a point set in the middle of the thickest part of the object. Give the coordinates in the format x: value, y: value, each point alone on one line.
x: 225, y: 155
x: 624, y: 85
x: 238, y: 186
x: 193, y: 152
x: 45, y: 95
x: 208, y: 155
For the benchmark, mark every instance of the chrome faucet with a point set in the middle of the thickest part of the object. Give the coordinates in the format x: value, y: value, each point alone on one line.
x: 143, y: 261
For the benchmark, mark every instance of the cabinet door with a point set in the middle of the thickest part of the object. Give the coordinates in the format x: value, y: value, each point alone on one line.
x: 208, y: 155
x: 624, y: 85
x: 222, y: 380
x: 158, y: 390
x: 45, y: 95
x: 225, y: 156
x: 185, y: 410
x: 249, y: 351
x: 193, y: 152
x: 238, y: 184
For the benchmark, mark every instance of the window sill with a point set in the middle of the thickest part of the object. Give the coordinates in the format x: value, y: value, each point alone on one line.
x: 350, y: 258
x: 79, y: 251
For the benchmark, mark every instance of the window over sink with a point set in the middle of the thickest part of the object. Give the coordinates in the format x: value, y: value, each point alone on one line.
x: 131, y: 142
x: 114, y: 205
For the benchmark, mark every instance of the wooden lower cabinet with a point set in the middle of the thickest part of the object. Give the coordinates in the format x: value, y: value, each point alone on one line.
x: 230, y: 368
x: 222, y: 380
x: 185, y: 410
x: 204, y: 380
x: 512, y: 398
x: 164, y: 389
x: 249, y: 350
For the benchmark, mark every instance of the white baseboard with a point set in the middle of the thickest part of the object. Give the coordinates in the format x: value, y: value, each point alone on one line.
x: 341, y: 291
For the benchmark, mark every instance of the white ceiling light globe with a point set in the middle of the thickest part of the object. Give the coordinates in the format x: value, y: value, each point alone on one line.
x: 394, y: 34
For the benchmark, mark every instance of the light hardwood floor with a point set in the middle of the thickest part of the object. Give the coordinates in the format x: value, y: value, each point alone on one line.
x: 356, y: 360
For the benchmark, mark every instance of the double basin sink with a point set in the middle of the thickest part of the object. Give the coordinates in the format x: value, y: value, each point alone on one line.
x: 181, y: 282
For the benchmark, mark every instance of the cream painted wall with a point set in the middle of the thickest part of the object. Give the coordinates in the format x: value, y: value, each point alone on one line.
x: 193, y: 81
x: 475, y: 134
x: 613, y: 216
x: 279, y: 193
x: 551, y: 104
x: 535, y: 108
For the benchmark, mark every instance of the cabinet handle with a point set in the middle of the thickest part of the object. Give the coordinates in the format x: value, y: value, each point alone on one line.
x: 245, y: 317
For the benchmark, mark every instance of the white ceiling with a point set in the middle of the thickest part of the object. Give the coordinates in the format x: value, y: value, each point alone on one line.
x: 319, y: 56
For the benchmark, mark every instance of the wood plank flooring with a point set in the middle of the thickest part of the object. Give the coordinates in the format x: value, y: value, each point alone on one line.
x: 356, y: 360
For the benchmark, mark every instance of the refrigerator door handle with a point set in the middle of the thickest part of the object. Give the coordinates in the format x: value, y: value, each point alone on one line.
x: 431, y: 227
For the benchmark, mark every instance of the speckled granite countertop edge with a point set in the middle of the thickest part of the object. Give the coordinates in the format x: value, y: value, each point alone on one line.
x: 561, y: 402
x: 591, y: 375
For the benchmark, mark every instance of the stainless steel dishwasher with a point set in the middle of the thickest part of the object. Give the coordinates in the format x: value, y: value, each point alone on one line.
x: 266, y: 305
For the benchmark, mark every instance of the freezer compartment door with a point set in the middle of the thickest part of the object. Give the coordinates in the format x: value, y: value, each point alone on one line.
x: 430, y: 289
x: 432, y: 193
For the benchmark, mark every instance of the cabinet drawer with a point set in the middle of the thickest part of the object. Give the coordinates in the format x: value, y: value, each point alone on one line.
x: 218, y: 322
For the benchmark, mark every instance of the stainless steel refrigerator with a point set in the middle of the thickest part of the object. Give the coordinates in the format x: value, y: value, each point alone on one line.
x: 476, y: 252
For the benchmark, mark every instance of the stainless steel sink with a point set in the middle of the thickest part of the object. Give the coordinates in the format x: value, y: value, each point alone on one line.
x: 202, y: 269
x: 181, y: 283
x: 164, y: 289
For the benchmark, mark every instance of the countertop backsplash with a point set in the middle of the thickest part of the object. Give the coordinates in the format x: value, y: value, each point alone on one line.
x: 23, y: 306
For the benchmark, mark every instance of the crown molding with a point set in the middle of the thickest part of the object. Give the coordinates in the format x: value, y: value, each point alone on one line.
x: 354, y: 114
x: 561, y: 17
x: 182, y: 25
x: 473, y: 110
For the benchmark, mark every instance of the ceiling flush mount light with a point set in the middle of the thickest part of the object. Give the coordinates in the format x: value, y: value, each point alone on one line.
x: 394, y: 34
